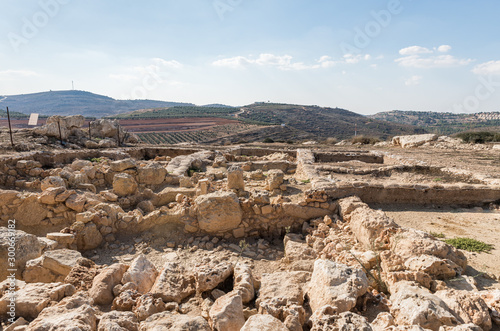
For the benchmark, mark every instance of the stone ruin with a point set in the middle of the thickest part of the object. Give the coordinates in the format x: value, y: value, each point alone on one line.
x: 231, y: 239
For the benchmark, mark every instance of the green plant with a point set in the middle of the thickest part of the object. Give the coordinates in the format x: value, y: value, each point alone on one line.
x: 268, y: 141
x: 306, y: 181
x: 479, y: 137
x: 243, y: 246
x: 365, y: 140
x: 437, y: 235
x: 192, y: 170
x: 288, y: 229
x: 438, y: 179
x: 469, y: 244
x: 96, y: 159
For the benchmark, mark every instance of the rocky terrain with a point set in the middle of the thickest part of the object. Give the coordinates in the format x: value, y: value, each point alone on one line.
x: 101, y: 237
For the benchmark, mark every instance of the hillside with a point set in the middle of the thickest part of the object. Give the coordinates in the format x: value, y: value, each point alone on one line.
x: 443, y: 123
x: 322, y: 122
x: 180, y: 111
x: 77, y: 103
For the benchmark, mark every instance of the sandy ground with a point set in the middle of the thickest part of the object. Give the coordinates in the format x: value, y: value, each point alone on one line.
x: 480, y: 224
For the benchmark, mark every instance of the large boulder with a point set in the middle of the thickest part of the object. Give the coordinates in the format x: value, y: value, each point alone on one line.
x: 102, y: 286
x: 52, y: 266
x: 173, y: 284
x: 218, y: 212
x: 87, y: 235
x: 326, y: 318
x: 413, y: 140
x: 67, y: 122
x: 413, y: 305
x: 122, y: 165
x: 274, y: 180
x: 73, y: 313
x: 142, y: 273
x: 33, y: 298
x: 103, y: 128
x: 209, y: 276
x: 124, y: 184
x: 335, y: 284
x: 16, y: 248
x: 152, y: 174
x: 31, y: 212
x: 227, y: 313
x: 244, y: 282
x: 170, y: 321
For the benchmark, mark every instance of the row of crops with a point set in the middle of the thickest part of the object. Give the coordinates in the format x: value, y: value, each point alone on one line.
x: 160, y: 138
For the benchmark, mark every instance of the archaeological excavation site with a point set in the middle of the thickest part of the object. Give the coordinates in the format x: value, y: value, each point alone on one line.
x: 251, y: 237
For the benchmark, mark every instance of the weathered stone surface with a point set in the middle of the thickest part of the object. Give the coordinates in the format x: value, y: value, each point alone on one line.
x: 274, y: 179
x: 335, y: 284
x: 27, y: 247
x: 33, y: 298
x: 52, y: 181
x: 126, y: 299
x: 467, y: 306
x: 218, y: 212
x: 235, y: 179
x: 67, y: 122
x: 118, y: 321
x: 142, y: 272
x: 413, y: 140
x: 76, y: 202
x: 173, y: 284
x: 73, y: 313
x: 326, y: 318
x: 281, y: 294
x: 261, y: 322
x: 152, y: 174
x: 147, y: 305
x: 492, y: 299
x: 209, y: 276
x: 124, y: 184
x: 87, y: 235
x: 102, y: 286
x: 52, y: 266
x: 298, y: 252
x: 78, y: 165
x: 48, y: 196
x: 170, y: 321
x: 412, y: 305
x: 244, y: 282
x: 435, y: 267
x: 31, y: 212
x: 227, y: 313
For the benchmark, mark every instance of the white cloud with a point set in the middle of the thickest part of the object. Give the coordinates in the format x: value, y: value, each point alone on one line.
x: 285, y: 62
x: 487, y: 68
x: 172, y: 64
x: 413, y: 80
x: 157, y: 67
x: 421, y: 57
x: 440, y: 61
x: 444, y: 48
x: 414, y: 50
x: 17, y: 73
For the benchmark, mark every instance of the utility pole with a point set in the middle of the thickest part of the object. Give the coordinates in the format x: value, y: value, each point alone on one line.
x: 10, y: 128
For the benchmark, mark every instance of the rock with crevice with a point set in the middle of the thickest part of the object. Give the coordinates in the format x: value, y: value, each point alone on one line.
x: 173, y: 284
x: 141, y: 272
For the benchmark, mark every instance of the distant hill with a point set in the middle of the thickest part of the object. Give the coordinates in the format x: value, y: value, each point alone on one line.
x: 179, y: 111
x: 443, y: 123
x: 322, y: 122
x: 77, y: 103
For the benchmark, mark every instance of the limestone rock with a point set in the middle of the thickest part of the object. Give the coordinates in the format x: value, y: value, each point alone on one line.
x: 244, y: 282
x: 87, y: 235
x: 218, y: 212
x: 492, y: 299
x: 53, y: 181
x: 27, y: 247
x: 274, y: 179
x: 468, y: 306
x: 31, y: 212
x: 142, y: 272
x: 104, y: 128
x: 435, y: 267
x: 261, y: 322
x: 208, y: 276
x: 173, y: 284
x: 73, y: 313
x: 152, y: 174
x: 282, y: 294
x: 413, y: 140
x: 235, y: 179
x: 170, y: 321
x: 78, y: 165
x: 147, y: 305
x: 52, y: 266
x: 102, y: 286
x: 118, y: 321
x: 48, y: 196
x: 33, y: 298
x: 227, y: 313
x: 412, y: 305
x: 124, y: 184
x: 335, y: 284
x: 326, y: 318
x: 67, y: 122
x: 298, y: 252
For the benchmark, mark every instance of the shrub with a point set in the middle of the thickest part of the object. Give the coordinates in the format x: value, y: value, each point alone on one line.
x: 331, y: 141
x: 268, y: 141
x: 365, y: 140
x: 479, y: 137
x: 468, y: 244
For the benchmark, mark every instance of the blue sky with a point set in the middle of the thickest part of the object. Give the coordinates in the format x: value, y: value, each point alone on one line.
x: 365, y: 56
